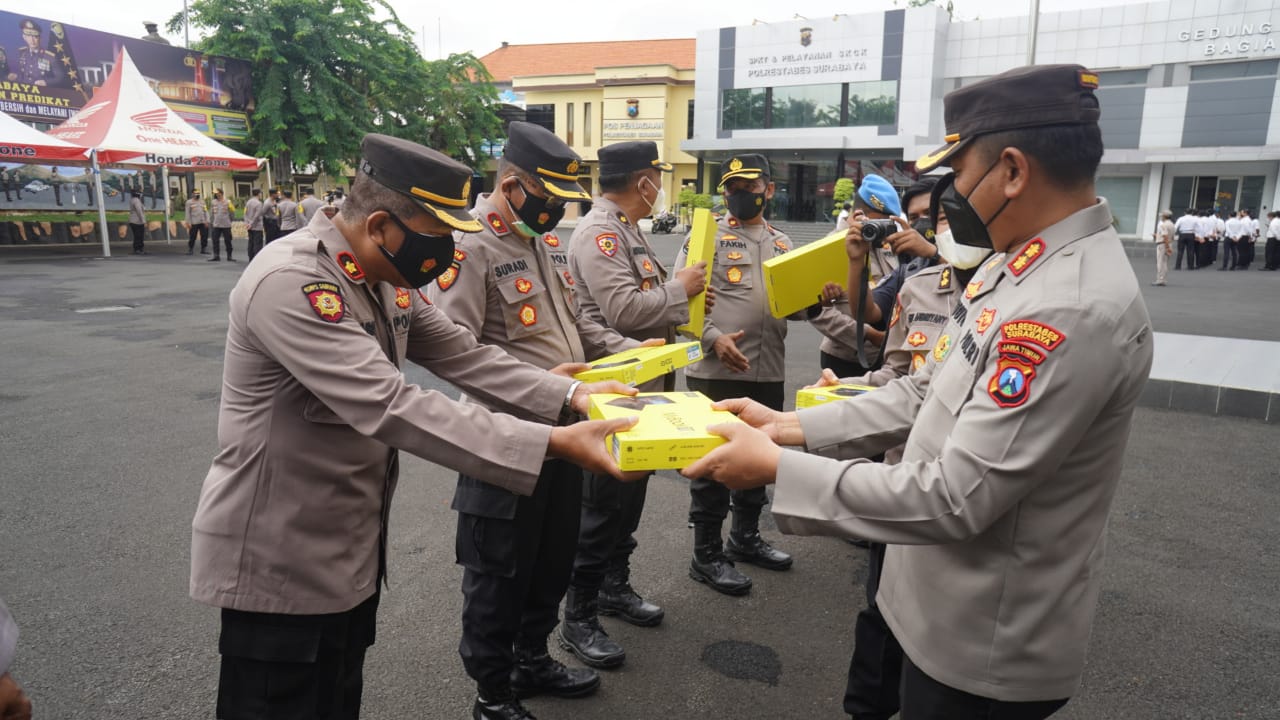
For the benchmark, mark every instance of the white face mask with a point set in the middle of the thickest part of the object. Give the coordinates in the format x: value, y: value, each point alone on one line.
x: 961, y: 257
x: 659, y: 201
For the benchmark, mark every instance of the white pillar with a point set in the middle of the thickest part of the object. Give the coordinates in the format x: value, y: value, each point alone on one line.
x: 164, y: 175
x: 102, y: 205
x: 1149, y: 212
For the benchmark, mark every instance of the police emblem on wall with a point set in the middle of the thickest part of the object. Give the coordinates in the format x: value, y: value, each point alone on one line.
x: 806, y: 36
x: 633, y: 107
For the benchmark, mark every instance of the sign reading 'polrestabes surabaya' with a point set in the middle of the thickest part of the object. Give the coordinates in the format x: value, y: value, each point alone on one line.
x: 847, y: 49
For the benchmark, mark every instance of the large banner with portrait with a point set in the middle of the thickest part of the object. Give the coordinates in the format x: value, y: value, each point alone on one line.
x: 49, y: 69
x: 34, y: 187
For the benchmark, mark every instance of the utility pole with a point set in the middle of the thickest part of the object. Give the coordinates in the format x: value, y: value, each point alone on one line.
x: 1033, y: 27
x: 186, y: 25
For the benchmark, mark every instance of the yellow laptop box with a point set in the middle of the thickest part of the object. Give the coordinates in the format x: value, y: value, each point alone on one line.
x: 639, y: 365
x: 671, y: 432
x: 702, y: 246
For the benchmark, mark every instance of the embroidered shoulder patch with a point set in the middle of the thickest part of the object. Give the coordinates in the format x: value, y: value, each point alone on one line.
x: 897, y: 313
x: 403, y: 299
x: 1010, y: 385
x: 972, y: 289
x: 646, y: 284
x: 1033, y: 332
x: 568, y: 278
x: 459, y: 255
x: 622, y: 218
x: 944, y: 278
x: 648, y: 266
x: 985, y: 318
x: 781, y: 246
x: 1027, y: 257
x: 326, y: 301
x: 349, y: 266
x: 497, y: 225
x: 918, y: 360
x: 551, y: 239
x: 608, y: 244
x: 733, y: 221
x: 449, y: 277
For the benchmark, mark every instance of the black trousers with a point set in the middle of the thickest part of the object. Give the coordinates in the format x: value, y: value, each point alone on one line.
x: 1245, y: 252
x: 1230, y: 253
x: 294, y: 667
x: 610, y: 516
x: 201, y: 230
x: 841, y: 367
x: 225, y: 233
x: 709, y: 501
x: 1206, y: 253
x: 272, y: 230
x: 1272, y: 254
x: 139, y: 232
x: 517, y: 559
x: 875, y: 669
x: 1186, y: 243
x: 924, y: 698
x: 255, y: 242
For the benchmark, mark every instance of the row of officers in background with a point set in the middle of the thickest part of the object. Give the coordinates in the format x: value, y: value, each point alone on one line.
x: 993, y: 490
x: 265, y: 220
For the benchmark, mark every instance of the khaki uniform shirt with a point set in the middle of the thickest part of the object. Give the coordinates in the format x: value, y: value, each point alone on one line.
x: 292, y: 513
x: 196, y: 213
x: 253, y: 214
x: 840, y: 329
x: 221, y: 212
x: 289, y: 220
x: 308, y: 208
x: 997, y: 514
x: 742, y: 303
x: 618, y: 281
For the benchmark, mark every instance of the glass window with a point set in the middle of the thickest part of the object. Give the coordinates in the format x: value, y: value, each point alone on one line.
x: 1116, y: 78
x: 586, y: 123
x: 1251, y: 193
x: 1231, y: 71
x: 543, y: 115
x: 568, y: 121
x: 1122, y: 194
x: 1182, y: 194
x: 873, y: 103
x: 689, y: 136
x: 806, y: 106
x: 743, y: 109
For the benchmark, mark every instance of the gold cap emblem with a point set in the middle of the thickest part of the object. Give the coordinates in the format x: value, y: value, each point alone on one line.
x: 573, y: 167
x: 466, y: 189
x: 735, y: 165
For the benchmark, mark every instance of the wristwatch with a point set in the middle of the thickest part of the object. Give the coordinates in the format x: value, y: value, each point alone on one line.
x: 566, y: 410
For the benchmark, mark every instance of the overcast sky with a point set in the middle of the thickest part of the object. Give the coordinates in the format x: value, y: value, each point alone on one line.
x: 482, y: 27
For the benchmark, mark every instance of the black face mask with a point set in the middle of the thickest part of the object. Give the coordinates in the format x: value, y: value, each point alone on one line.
x: 422, y: 257
x: 745, y: 205
x: 535, y: 213
x: 924, y: 226
x: 967, y: 225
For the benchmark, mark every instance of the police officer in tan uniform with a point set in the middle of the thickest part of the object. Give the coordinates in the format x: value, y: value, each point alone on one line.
x: 290, y: 533
x: 510, y: 285
x: 744, y: 348
x: 997, y: 514
x: 619, y: 283
x: 221, y: 214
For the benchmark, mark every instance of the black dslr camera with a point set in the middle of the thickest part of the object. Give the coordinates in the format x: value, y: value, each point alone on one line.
x: 875, y: 231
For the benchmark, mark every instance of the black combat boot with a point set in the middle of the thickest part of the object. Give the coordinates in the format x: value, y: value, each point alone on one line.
x: 617, y: 597
x: 581, y: 634
x: 711, y: 567
x: 499, y: 704
x: 746, y: 545
x: 537, y: 673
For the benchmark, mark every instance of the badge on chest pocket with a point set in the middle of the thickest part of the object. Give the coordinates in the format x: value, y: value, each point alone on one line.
x: 734, y: 265
x: 524, y: 306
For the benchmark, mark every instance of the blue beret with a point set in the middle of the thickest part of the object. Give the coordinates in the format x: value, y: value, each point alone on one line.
x: 879, y: 194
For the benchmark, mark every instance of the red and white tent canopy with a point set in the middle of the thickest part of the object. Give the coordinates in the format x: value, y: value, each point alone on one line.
x: 126, y: 122
x: 19, y: 142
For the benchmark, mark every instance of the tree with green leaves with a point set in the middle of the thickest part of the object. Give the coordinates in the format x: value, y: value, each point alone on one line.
x: 841, y: 194
x: 325, y: 72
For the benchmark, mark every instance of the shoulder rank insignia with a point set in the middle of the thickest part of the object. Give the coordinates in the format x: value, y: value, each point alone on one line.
x: 944, y: 279
x: 734, y: 275
x: 735, y: 255
x: 917, y: 338
x: 349, y: 266
x: 972, y: 289
x: 1032, y: 332
x: 528, y: 315
x: 780, y: 245
x: 459, y: 255
x: 918, y: 360
x: 985, y: 318
x: 733, y: 221
x: 608, y: 244
x: 551, y: 239
x: 897, y: 313
x: 568, y: 278
x: 942, y: 348
x: 403, y: 299
x: 622, y: 218
x: 1027, y: 257
x: 448, y: 277
x: 1010, y: 385
x: 496, y: 224
x: 326, y: 300
x: 523, y: 286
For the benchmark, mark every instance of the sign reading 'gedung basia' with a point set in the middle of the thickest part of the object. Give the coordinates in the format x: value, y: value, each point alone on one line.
x: 846, y: 49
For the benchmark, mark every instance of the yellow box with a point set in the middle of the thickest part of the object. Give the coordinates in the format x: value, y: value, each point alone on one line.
x: 702, y: 247
x: 793, y: 281
x: 639, y: 365
x: 671, y: 433
x: 810, y: 397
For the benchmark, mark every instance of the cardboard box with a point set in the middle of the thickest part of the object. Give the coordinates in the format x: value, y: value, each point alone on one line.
x: 793, y: 281
x: 671, y: 433
x: 702, y: 247
x: 638, y: 365
x: 820, y: 396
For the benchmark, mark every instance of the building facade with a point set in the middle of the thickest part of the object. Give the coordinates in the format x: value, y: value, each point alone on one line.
x: 1190, y: 112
